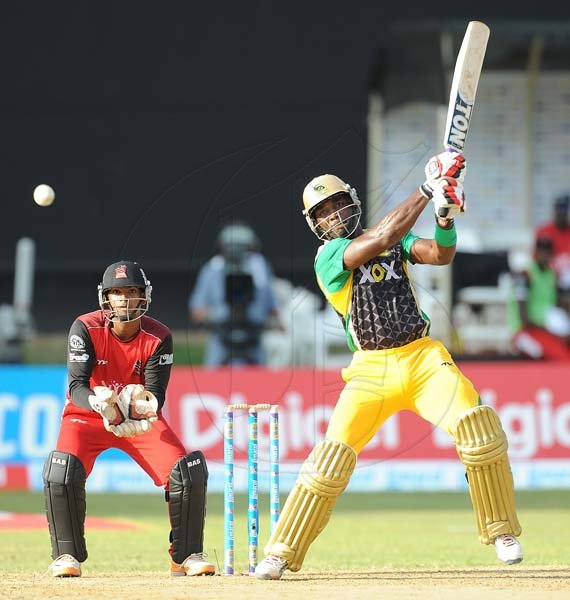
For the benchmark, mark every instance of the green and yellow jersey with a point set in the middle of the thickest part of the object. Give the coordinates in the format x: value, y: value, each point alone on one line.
x: 376, y: 302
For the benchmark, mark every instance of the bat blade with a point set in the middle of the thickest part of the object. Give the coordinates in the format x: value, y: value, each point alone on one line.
x: 464, y: 85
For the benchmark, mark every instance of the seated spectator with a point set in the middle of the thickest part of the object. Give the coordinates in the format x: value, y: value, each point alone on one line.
x: 542, y: 328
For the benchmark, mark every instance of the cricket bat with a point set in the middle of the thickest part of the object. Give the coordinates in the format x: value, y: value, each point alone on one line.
x: 464, y: 86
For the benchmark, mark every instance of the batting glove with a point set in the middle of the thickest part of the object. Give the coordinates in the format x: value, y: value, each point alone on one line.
x: 104, y: 401
x: 445, y: 165
x: 448, y: 198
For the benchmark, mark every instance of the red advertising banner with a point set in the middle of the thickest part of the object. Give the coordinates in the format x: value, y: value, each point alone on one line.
x: 532, y: 400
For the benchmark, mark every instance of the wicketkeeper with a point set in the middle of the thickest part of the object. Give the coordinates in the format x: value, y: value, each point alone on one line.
x: 119, y: 363
x: 396, y: 365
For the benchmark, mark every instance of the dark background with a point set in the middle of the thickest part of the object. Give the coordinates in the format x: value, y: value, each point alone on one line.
x: 156, y: 122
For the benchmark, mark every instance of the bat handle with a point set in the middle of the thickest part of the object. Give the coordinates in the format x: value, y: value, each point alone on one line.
x: 442, y: 212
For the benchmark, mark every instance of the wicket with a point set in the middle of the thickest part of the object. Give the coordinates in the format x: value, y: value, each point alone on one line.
x: 252, y: 480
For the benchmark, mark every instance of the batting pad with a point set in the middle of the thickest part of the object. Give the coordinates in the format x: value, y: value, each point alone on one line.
x: 482, y: 446
x: 323, y: 478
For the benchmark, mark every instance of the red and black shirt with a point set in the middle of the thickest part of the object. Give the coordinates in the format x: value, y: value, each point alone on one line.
x: 97, y: 357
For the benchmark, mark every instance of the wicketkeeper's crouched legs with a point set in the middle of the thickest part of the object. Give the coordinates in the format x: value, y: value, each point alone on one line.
x: 482, y: 446
x: 64, y: 489
x: 323, y: 477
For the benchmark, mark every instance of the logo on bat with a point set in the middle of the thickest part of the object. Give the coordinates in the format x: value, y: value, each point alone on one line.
x: 459, y: 124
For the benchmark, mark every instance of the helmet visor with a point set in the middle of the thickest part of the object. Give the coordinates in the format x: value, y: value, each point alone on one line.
x: 121, y: 309
x: 341, y: 223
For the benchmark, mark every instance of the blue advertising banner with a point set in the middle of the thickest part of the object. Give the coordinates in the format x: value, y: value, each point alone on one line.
x: 31, y: 403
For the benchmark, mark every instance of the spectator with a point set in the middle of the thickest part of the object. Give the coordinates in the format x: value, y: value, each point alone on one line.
x: 558, y: 231
x: 234, y: 299
x: 542, y: 328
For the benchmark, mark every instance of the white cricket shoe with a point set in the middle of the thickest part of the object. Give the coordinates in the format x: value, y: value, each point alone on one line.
x: 271, y: 567
x: 195, y: 564
x: 65, y: 566
x: 509, y: 549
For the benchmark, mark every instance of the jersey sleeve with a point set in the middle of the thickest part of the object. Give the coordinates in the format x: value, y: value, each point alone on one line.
x: 329, y: 264
x: 407, y: 242
x: 80, y: 362
x: 157, y: 369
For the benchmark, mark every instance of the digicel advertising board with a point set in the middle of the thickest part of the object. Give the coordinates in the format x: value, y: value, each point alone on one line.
x: 532, y: 400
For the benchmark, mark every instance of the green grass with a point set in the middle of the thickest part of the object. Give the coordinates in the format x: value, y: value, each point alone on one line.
x: 366, y: 531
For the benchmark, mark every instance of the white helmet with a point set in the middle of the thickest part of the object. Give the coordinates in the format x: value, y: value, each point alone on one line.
x: 322, y: 188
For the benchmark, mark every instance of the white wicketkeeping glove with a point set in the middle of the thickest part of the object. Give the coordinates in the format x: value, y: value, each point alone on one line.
x: 105, y: 401
x: 128, y: 429
x: 448, y: 198
x: 142, y: 406
x: 445, y: 165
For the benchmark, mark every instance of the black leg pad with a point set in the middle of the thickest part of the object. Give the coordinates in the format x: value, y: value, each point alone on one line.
x: 64, y: 490
x: 186, y: 498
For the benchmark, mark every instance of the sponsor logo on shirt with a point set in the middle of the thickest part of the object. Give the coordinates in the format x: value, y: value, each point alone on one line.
x: 166, y: 359
x: 102, y: 361
x: 76, y: 343
x: 377, y: 272
x: 73, y: 357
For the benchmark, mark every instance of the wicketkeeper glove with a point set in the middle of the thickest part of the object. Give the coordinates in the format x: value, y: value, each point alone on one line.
x: 448, y: 198
x: 105, y: 401
x: 445, y: 165
x: 142, y: 406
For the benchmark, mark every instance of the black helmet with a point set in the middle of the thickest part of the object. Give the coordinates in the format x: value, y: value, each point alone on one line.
x: 124, y: 274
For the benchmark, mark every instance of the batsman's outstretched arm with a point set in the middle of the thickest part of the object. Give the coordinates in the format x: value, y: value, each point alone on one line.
x: 444, y: 174
x: 440, y: 250
x: 390, y: 229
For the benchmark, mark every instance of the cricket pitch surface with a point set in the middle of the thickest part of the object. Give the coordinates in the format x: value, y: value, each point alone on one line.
x: 499, y: 583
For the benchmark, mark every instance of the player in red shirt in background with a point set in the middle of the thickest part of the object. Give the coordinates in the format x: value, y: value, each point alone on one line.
x: 558, y: 231
x: 119, y: 363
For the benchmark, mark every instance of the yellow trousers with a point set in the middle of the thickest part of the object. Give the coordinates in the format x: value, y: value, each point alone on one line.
x: 420, y: 376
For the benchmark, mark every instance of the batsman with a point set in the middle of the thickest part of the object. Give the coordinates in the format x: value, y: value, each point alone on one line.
x: 119, y: 362
x: 395, y: 366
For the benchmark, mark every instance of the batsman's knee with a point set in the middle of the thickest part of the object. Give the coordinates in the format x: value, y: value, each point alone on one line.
x: 479, y: 436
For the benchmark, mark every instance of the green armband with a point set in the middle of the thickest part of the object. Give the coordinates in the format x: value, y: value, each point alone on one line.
x: 445, y: 237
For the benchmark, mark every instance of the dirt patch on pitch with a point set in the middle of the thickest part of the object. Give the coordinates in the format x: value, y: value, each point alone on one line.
x: 524, y: 583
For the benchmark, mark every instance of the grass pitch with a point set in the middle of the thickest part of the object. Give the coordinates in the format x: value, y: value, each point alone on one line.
x: 373, y: 541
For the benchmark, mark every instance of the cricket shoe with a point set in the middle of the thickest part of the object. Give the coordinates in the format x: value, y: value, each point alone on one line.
x: 508, y: 549
x: 195, y: 564
x: 271, y: 567
x: 65, y: 566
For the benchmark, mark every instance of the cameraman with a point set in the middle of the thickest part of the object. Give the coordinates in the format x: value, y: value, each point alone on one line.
x: 234, y: 299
